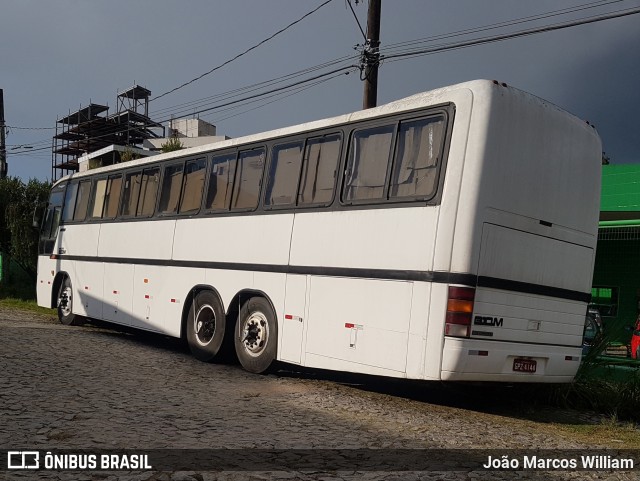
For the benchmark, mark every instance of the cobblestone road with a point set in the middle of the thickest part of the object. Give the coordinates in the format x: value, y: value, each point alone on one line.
x: 95, y: 388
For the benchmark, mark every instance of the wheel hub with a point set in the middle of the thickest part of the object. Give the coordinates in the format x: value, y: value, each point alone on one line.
x: 255, y: 334
x: 205, y: 325
x: 64, y: 301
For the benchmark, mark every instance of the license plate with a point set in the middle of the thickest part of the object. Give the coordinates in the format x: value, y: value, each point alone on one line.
x: 525, y: 365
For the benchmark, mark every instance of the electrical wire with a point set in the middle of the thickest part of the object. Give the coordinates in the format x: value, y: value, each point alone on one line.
x: 227, y: 62
x: 364, y: 35
x: 186, y: 107
x: 280, y: 97
x: 506, y: 23
x: 401, y: 55
x: 499, y: 38
x: 226, y: 104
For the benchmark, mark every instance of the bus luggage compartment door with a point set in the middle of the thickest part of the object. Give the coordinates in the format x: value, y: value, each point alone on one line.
x: 294, y: 318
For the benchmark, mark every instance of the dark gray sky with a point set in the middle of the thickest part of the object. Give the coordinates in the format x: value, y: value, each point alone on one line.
x: 57, y: 56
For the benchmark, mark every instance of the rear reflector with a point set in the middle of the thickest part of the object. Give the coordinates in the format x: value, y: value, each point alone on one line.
x: 459, y: 311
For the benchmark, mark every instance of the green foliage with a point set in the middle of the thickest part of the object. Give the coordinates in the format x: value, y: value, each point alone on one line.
x: 95, y: 164
x: 172, y: 145
x: 128, y: 155
x: 18, y: 238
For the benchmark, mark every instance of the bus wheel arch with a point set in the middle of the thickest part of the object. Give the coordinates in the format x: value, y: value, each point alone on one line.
x: 255, y: 332
x: 204, y: 323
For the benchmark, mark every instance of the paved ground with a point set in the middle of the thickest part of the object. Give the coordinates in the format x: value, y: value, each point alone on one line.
x: 97, y: 388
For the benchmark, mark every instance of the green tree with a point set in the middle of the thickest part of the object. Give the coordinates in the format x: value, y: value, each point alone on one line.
x: 18, y: 238
x: 171, y: 145
x: 9, y: 194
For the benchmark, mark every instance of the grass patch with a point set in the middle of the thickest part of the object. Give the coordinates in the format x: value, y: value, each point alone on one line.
x: 610, y: 432
x: 25, y: 305
x: 601, y: 386
x: 619, y: 400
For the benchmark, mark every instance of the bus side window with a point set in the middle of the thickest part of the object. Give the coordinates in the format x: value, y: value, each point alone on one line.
x: 246, y: 188
x: 69, y: 202
x: 82, y: 200
x: 220, y: 186
x: 148, y: 192
x: 98, y: 193
x: 321, y: 157
x: 112, y: 196
x: 193, y: 186
x: 130, y: 194
x: 367, y: 164
x: 170, y: 192
x: 284, y: 172
x: 418, y: 151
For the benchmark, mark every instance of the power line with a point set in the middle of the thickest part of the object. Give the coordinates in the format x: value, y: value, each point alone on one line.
x: 522, y: 33
x: 280, y: 97
x: 506, y: 23
x: 300, y: 82
x: 245, y: 52
x: 392, y: 57
x: 201, y: 102
x: 342, y: 70
x: 250, y: 88
x: 222, y: 96
x: 364, y: 35
x: 29, y: 128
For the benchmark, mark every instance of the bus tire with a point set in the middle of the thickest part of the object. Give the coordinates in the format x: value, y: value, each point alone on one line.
x: 256, y: 335
x: 64, y: 304
x: 205, y: 326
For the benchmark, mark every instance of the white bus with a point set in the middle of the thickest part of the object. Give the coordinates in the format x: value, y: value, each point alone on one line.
x: 445, y: 236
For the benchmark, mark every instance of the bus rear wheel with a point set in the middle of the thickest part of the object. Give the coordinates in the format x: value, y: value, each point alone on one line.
x: 205, y: 326
x: 256, y: 335
x: 65, y: 305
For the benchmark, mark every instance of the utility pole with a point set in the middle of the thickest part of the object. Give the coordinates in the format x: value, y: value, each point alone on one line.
x: 3, y: 150
x: 371, y: 55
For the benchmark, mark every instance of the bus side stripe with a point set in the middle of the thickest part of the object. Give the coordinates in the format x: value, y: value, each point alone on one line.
x: 439, y: 277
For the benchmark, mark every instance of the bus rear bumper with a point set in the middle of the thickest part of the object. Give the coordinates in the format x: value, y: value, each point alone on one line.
x: 479, y: 360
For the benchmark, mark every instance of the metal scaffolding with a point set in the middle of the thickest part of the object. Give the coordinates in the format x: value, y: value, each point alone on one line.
x: 91, y: 128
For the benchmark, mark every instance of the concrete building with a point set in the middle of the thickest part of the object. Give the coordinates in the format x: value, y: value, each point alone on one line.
x: 191, y: 132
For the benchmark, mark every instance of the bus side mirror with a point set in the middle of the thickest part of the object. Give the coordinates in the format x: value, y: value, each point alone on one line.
x: 38, y: 214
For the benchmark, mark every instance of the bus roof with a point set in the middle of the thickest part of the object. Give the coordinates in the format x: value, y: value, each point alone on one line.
x: 416, y: 101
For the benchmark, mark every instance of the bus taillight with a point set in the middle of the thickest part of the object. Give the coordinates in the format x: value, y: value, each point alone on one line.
x: 459, y: 311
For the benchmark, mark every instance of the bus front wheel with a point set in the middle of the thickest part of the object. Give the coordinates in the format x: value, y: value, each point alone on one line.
x: 65, y: 305
x: 256, y: 335
x: 205, y: 326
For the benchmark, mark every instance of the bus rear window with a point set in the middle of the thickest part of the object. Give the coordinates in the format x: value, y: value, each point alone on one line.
x: 418, y: 152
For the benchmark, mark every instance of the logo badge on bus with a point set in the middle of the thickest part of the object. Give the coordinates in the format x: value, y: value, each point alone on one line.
x: 488, y: 321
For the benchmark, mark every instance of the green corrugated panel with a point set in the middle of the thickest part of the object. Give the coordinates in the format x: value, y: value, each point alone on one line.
x: 620, y: 188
